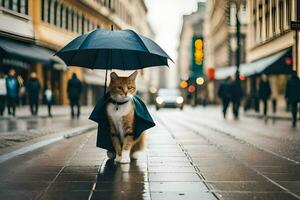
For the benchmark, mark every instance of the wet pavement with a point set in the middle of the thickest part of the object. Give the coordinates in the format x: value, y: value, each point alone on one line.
x: 16, y: 131
x: 193, y: 154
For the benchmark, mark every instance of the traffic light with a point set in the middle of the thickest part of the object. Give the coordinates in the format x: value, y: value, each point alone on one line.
x: 198, y: 51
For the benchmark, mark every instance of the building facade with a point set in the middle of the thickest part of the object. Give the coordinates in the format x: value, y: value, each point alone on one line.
x: 220, y: 36
x: 51, y: 24
x: 270, y: 33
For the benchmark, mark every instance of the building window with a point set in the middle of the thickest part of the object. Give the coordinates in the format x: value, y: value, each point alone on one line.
x: 288, y: 11
x: 49, y: 11
x: 62, y: 16
x: 82, y: 24
x: 19, y: 6
x: 72, y: 20
x: 260, y: 16
x: 67, y: 19
x: 281, y: 16
x: 43, y: 10
x: 273, y: 18
x: 55, y: 13
x: 77, y: 22
x: 267, y: 17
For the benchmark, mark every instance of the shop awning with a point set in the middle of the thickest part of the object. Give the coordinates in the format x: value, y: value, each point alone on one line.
x: 279, y: 63
x: 27, y: 52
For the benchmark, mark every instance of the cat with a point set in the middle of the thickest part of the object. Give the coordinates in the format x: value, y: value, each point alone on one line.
x: 120, y: 113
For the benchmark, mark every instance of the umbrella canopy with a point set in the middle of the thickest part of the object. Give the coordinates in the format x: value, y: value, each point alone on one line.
x: 105, y: 49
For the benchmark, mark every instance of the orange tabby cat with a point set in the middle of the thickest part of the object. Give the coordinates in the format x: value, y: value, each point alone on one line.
x: 120, y: 112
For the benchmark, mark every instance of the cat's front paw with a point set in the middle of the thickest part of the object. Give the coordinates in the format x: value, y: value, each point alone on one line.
x: 118, y: 158
x: 125, y: 160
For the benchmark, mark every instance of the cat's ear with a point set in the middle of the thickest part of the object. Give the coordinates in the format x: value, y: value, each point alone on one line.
x: 133, y: 75
x: 113, y: 76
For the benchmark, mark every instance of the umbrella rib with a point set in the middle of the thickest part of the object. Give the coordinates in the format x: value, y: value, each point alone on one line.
x: 139, y: 39
x: 84, y: 41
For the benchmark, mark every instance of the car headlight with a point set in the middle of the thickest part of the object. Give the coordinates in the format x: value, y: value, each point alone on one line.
x: 159, y: 100
x: 179, y: 100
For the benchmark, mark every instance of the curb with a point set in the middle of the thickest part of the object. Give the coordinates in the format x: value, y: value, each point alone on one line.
x: 61, y: 135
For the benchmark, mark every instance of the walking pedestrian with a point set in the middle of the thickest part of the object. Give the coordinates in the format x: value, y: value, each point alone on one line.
x: 225, y: 94
x: 3, y: 93
x: 264, y: 93
x: 292, y: 94
x: 48, y: 96
x: 74, y: 90
x: 236, y: 95
x: 12, y: 87
x: 33, y: 90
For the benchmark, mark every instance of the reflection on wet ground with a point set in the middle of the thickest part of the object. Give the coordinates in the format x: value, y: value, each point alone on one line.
x: 17, y: 124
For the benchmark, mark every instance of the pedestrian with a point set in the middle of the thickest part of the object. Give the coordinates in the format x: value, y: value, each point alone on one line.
x: 236, y: 95
x: 225, y: 94
x: 74, y: 90
x: 3, y: 93
x: 12, y: 87
x: 22, y: 92
x: 292, y: 94
x: 49, y: 97
x: 33, y: 91
x: 264, y: 93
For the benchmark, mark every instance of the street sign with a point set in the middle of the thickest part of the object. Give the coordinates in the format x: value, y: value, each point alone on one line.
x: 295, y: 25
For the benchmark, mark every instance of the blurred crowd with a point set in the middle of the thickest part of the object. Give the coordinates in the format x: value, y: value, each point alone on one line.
x: 230, y: 91
x: 14, y: 93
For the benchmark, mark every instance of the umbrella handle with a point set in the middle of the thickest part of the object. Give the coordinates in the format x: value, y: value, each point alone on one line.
x: 105, y: 83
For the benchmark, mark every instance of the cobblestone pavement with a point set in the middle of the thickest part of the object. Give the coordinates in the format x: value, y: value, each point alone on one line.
x: 192, y: 154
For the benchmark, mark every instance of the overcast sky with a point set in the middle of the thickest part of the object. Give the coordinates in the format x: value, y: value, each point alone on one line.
x: 165, y: 17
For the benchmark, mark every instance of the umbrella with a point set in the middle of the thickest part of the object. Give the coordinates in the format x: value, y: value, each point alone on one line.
x: 105, y: 49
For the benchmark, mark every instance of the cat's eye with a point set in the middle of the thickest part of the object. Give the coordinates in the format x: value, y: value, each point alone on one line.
x: 119, y: 88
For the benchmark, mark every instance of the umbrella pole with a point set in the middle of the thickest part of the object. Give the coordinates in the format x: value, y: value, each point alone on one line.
x: 105, y: 83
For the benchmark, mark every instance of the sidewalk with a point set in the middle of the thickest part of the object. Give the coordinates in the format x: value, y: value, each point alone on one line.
x: 57, y: 110
x: 77, y: 169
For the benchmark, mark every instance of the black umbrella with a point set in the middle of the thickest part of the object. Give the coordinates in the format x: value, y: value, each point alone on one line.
x: 105, y: 49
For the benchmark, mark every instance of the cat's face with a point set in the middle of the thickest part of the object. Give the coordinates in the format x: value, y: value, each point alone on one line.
x: 121, y: 88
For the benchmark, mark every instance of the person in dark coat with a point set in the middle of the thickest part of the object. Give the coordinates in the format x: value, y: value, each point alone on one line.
x: 143, y: 121
x: 225, y: 94
x: 33, y: 91
x: 74, y: 90
x: 236, y: 95
x: 292, y: 94
x: 264, y: 93
x: 12, y: 87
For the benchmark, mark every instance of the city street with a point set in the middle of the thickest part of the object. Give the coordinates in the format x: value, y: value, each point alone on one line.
x: 192, y: 154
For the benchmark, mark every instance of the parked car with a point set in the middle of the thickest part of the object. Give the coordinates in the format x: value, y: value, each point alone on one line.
x: 169, y: 98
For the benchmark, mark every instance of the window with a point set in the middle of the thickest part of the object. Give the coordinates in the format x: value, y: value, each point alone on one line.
x: 20, y: 6
x: 273, y: 18
x: 82, y: 24
x: 43, y: 10
x: 49, y: 11
x: 62, y: 10
x: 72, y: 20
x: 281, y: 16
x: 77, y: 22
x: 288, y: 11
x: 267, y: 17
x: 55, y: 13
x: 67, y: 19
